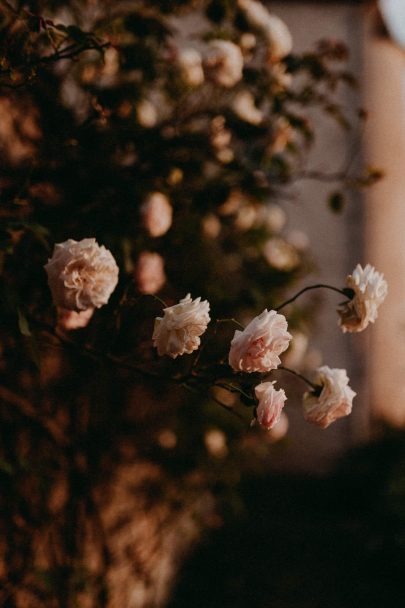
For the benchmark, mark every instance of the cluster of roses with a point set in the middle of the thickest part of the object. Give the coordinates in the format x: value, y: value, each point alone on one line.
x: 82, y: 276
x: 220, y: 62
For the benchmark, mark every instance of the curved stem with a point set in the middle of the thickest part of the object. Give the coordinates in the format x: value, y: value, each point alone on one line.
x: 298, y: 375
x: 317, y: 286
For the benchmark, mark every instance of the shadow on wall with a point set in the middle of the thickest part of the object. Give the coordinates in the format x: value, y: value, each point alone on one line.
x: 305, y: 542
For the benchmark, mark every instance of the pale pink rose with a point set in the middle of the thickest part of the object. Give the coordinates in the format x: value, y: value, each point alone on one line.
x: 190, y: 62
x: 220, y: 137
x: 280, y: 254
x: 179, y: 330
x: 258, y: 346
x: 146, y: 113
x: 244, y: 107
x: 149, y: 272
x: 224, y: 61
x: 370, y: 290
x: 273, y: 28
x: 331, y: 400
x: 81, y: 274
x: 157, y: 214
x: 70, y: 319
x: 271, y: 403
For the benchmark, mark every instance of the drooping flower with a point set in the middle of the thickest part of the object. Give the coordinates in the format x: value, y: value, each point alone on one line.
x: 157, y: 214
x: 332, y: 399
x: 258, y: 346
x: 271, y: 403
x: 224, y: 62
x: 179, y: 330
x: 244, y: 107
x: 370, y: 290
x: 272, y: 27
x: 190, y: 62
x: 149, y: 272
x: 81, y: 274
x: 69, y: 320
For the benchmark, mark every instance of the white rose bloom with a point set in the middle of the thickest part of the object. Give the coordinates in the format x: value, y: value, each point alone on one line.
x: 179, y: 330
x: 81, y: 274
x: 370, y: 290
x: 273, y: 28
x: 224, y: 60
x: 334, y: 400
x: 280, y: 254
x: 157, y: 214
x: 190, y: 62
x: 244, y: 107
x: 146, y: 114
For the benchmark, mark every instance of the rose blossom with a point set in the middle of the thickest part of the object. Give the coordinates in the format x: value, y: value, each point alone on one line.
x: 190, y: 63
x: 146, y: 114
x: 149, y: 272
x: 256, y: 348
x: 334, y: 400
x: 70, y: 319
x: 244, y: 107
x: 179, y: 330
x: 157, y: 214
x: 271, y: 403
x: 370, y: 290
x: 280, y: 254
x: 274, y: 29
x: 81, y: 274
x: 225, y: 62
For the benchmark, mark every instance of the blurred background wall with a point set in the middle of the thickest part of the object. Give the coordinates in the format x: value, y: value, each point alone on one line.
x: 337, y: 241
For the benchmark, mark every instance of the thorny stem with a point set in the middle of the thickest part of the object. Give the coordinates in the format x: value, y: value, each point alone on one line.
x: 308, y: 288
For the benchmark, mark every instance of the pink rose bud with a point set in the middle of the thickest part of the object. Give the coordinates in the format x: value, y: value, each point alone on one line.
x: 271, y: 403
x: 149, y: 272
x: 156, y: 214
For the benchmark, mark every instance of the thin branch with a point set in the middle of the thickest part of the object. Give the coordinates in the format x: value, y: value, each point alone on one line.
x: 28, y: 410
x: 298, y: 375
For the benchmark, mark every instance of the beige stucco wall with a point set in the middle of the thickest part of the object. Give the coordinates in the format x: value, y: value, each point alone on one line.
x: 385, y: 221
x: 336, y: 240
